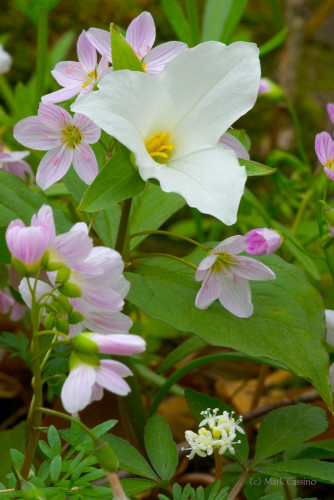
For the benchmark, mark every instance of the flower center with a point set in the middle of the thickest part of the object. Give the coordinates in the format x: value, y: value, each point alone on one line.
x: 71, y: 135
x: 330, y: 164
x: 222, y: 260
x: 91, y: 77
x: 159, y: 147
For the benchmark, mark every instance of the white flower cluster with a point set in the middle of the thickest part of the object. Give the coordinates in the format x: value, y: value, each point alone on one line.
x: 219, y: 436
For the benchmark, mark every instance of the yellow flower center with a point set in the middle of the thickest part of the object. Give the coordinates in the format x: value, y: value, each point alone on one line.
x: 91, y: 77
x: 222, y: 260
x: 71, y: 136
x: 159, y: 147
x: 144, y: 66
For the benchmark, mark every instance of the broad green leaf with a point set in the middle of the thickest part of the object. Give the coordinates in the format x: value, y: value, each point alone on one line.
x: 309, y: 469
x: 133, y: 486
x: 221, y: 17
x: 192, y: 344
x: 13, y: 438
x: 177, y: 20
x: 129, y: 458
x: 254, y: 168
x: 123, y: 56
x: 199, y: 402
x: 150, y: 209
x: 287, y: 325
x: 117, y: 181
x: 287, y: 427
x: 274, y: 42
x: 160, y: 446
x: 315, y: 449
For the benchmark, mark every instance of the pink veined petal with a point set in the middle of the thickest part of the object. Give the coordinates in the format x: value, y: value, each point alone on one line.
x: 209, y: 291
x: 80, y: 226
x: 251, y: 269
x: 231, y: 142
x: 158, y: 57
x: 27, y: 244
x: 324, y: 147
x: 44, y: 218
x: 90, y: 132
x: 84, y: 163
x: 77, y: 389
x: 101, y: 41
x: 73, y: 247
x: 97, y: 393
x: 68, y: 73
x: 20, y: 168
x: 32, y: 133
x: 232, y: 245
x: 117, y: 367
x: 123, y: 345
x: 103, y: 298
x: 329, y: 173
x: 235, y: 296
x: 62, y: 94
x: 330, y: 111
x: 54, y: 117
x: 105, y: 321
x: 108, y: 378
x: 103, y: 68
x: 329, y: 316
x: 86, y: 53
x: 141, y: 34
x: 54, y: 166
x: 204, y: 266
x: 85, y: 90
x: 13, y: 156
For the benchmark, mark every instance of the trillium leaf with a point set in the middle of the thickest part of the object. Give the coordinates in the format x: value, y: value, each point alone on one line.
x: 117, y: 181
x: 160, y: 446
x: 221, y: 17
x: 316, y: 470
x: 288, y: 323
x: 286, y: 427
x: 254, y: 168
x: 123, y: 56
x: 177, y: 19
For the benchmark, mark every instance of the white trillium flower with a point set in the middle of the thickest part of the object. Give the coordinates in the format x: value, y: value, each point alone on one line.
x: 172, y: 123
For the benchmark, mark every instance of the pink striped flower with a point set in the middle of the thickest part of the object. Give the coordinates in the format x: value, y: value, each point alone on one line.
x: 78, y: 78
x: 324, y: 147
x: 121, y: 345
x: 225, y: 277
x: 12, y: 161
x: 262, y: 241
x: 65, y: 138
x: 330, y: 111
x: 141, y: 36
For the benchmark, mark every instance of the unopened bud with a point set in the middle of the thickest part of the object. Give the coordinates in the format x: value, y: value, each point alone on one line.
x: 83, y: 343
x: 63, y: 274
x: 62, y: 325
x: 49, y: 321
x: 70, y: 290
x: 75, y: 317
x: 106, y: 456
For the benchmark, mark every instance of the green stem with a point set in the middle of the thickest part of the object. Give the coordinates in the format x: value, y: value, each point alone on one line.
x: 218, y: 466
x: 167, y: 255
x: 298, y: 131
x: 8, y: 95
x: 70, y: 418
x: 301, y: 210
x: 42, y: 41
x: 122, y: 241
x: 196, y: 363
x: 172, y: 235
x: 239, y: 485
x: 92, y: 221
x: 53, y: 332
x: 320, y: 211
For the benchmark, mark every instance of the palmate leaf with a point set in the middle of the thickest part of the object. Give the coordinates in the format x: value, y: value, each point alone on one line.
x: 288, y: 323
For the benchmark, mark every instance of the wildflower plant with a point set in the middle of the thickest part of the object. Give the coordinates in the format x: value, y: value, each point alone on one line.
x: 95, y: 276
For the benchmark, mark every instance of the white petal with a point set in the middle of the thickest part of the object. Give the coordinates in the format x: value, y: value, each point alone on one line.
x: 42, y: 288
x: 251, y: 269
x: 212, y: 86
x: 236, y: 296
x: 209, y: 291
x: 329, y: 314
x: 108, y: 378
x: 77, y: 389
x: 233, y: 245
x: 210, y: 180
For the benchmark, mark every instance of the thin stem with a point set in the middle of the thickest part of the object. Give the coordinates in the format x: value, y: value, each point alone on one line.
x: 122, y: 240
x: 116, y: 487
x: 320, y: 211
x: 239, y: 485
x: 92, y: 221
x: 298, y: 131
x: 53, y: 332
x: 264, y: 370
x: 8, y: 96
x: 70, y: 418
x: 173, y: 235
x: 42, y: 41
x: 218, y: 466
x: 301, y: 210
x: 169, y: 256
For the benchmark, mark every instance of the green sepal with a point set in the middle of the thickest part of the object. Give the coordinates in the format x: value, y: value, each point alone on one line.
x: 326, y: 240
x: 31, y: 492
x: 329, y: 215
x: 49, y: 321
x: 70, y: 290
x: 84, y: 344
x: 83, y: 357
x: 23, y: 269
x: 53, y: 266
x: 63, y: 274
x: 123, y: 56
x: 62, y: 325
x: 75, y: 317
x: 106, y: 456
x: 62, y: 304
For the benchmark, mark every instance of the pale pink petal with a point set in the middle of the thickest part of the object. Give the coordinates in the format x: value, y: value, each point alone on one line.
x: 86, y: 89
x: 232, y: 245
x: 203, y: 267
x: 80, y: 226
x: 103, y: 298
x: 330, y: 111
x: 251, y: 269
x: 231, y: 142
x: 54, y: 166
x: 62, y: 94
x: 123, y: 345
x: 32, y: 133
x: 141, y: 34
x: 18, y: 311
x: 235, y: 296
x: 13, y: 156
x: 44, y: 218
x: 86, y: 53
x: 27, y: 244
x: 106, y: 321
x: 329, y: 173
x: 20, y: 168
x: 101, y: 41
x: 42, y: 288
x: 324, y: 147
x: 6, y: 302
x: 120, y: 368
x: 97, y: 393
x: 68, y: 73
x: 54, y: 117
x: 90, y: 132
x: 329, y: 315
x: 156, y: 59
x: 209, y: 291
x: 262, y: 241
x: 72, y: 248
x: 109, y: 378
x: 103, y: 68
x: 77, y: 389
x: 84, y: 163
x: 122, y: 286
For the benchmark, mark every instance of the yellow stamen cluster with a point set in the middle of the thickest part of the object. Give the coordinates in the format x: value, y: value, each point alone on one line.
x: 91, y: 77
x: 159, y: 147
x: 222, y: 260
x: 71, y: 135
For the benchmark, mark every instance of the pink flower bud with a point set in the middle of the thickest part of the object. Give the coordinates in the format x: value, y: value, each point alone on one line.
x: 262, y: 241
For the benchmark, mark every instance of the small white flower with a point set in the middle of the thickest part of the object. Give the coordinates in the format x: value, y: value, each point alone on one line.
x: 5, y: 61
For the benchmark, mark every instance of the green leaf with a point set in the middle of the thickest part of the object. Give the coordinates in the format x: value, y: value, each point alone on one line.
x: 315, y: 449
x: 99, y: 430
x: 117, y: 181
x: 54, y: 440
x: 191, y: 345
x: 123, y: 56
x: 177, y: 20
x: 13, y: 438
x: 221, y: 17
x: 55, y: 468
x: 199, y: 402
x: 287, y: 427
x: 274, y: 42
x: 233, y: 18
x: 160, y: 446
x: 129, y: 458
x: 287, y: 325
x: 254, y: 168
x: 133, y: 486
x: 309, y: 469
